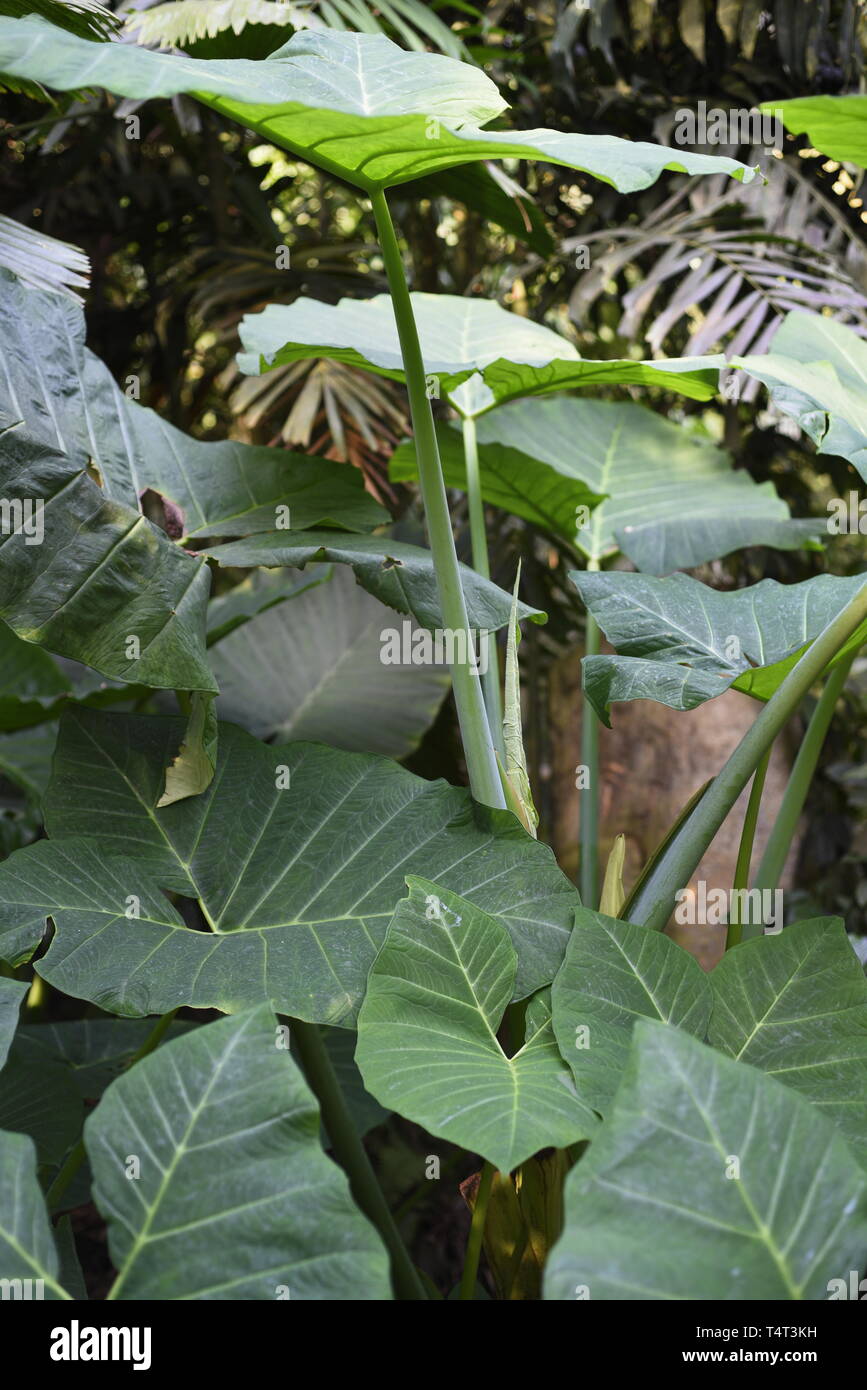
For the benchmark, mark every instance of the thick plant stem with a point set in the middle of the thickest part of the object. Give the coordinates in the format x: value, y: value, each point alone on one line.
x: 745, y: 850
x: 776, y: 851
x: 77, y: 1155
x: 478, y: 746
x: 477, y: 1231
x: 479, y: 537
x: 653, y: 904
x: 589, y: 878
x: 352, y: 1156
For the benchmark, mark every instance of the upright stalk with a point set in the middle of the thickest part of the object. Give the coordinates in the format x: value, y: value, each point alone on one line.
x: 745, y: 850
x: 478, y: 746
x: 352, y: 1156
x: 777, y: 849
x: 652, y: 905
x: 589, y: 806
x: 479, y: 537
x: 477, y: 1231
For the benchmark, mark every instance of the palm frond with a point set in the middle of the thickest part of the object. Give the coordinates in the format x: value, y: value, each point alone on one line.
x: 43, y: 261
x: 88, y: 19
x: 721, y: 272
x: 179, y: 23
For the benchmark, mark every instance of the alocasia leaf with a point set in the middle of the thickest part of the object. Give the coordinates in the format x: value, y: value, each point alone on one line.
x: 816, y: 371
x: 100, y: 584
x: 396, y: 573
x: 709, y: 1181
x: 71, y: 403
x: 296, y: 853
x: 39, y: 1097
x: 671, y: 499
x: 314, y: 670
x: 225, y: 1099
x: 27, y: 1249
x: 680, y: 642
x: 795, y: 1005
x: 835, y: 125
x: 506, y: 355
x: 355, y: 104
x: 613, y: 974
x: 12, y: 994
x: 427, y: 1035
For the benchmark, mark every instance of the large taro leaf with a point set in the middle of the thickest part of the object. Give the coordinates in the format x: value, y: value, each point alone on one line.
x: 795, y: 1005
x: 460, y: 338
x: 39, y: 1097
x: 509, y: 479
x: 297, y: 853
x: 27, y: 1249
x: 12, y: 994
x: 672, y: 499
x: 680, y: 642
x: 355, y: 104
x: 233, y: 1198
x: 35, y: 686
x: 835, y: 125
x: 613, y: 974
x: 709, y: 1181
x: 816, y: 371
x: 257, y: 593
x: 71, y: 403
x: 94, y: 1050
x: 427, y: 1035
x: 313, y: 670
x: 102, y: 585
x: 396, y: 573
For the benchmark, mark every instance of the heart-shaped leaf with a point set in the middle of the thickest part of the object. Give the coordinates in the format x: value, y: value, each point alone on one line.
x: 680, y: 642
x: 835, y: 125
x: 614, y: 973
x: 296, y: 853
x: 671, y: 499
x: 93, y: 579
x: 12, y: 994
x: 226, y: 1099
x: 509, y: 479
x: 709, y: 1181
x: 27, y: 1250
x: 72, y: 404
x: 460, y: 338
x: 427, y: 1035
x: 396, y: 573
x: 816, y: 371
x: 316, y: 670
x: 795, y: 1005
x: 355, y: 104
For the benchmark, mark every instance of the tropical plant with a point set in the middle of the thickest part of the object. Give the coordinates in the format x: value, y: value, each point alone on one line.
x: 380, y: 943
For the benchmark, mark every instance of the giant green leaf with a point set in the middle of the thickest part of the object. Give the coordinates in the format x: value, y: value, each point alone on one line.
x: 837, y: 126
x: 27, y: 1249
x: 102, y: 585
x: 398, y: 574
x: 233, y: 1199
x: 816, y: 371
x: 710, y: 1182
x: 614, y: 973
x: 509, y: 479
x: 25, y: 758
x: 672, y: 499
x: 427, y: 1035
x: 680, y: 642
x: 505, y: 354
x: 313, y: 670
x: 297, y: 854
x: 355, y: 104
x: 95, y: 1050
x: 12, y: 994
x: 795, y: 1005
x: 71, y: 403
x: 39, y: 1097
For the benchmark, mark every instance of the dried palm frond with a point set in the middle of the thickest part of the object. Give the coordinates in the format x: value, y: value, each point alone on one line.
x: 719, y: 270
